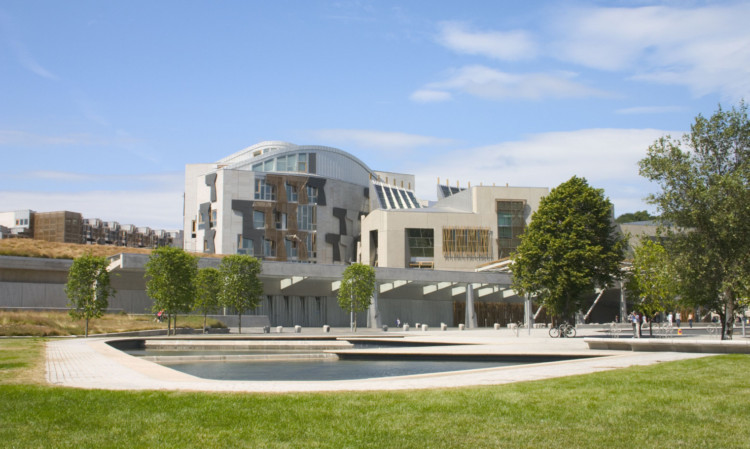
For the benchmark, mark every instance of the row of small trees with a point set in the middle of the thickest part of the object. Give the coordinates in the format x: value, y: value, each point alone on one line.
x: 177, y: 285
x: 571, y: 247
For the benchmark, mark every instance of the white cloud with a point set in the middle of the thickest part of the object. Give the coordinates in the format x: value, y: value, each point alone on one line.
x: 706, y: 49
x: 14, y: 137
x: 649, y: 110
x: 485, y: 82
x: 430, y: 96
x: 378, y: 140
x: 607, y: 158
x: 503, y: 45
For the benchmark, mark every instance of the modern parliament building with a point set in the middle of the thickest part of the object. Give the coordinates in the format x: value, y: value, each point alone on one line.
x: 308, y: 211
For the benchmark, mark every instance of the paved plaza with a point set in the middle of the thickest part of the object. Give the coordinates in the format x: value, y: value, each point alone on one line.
x: 92, y: 363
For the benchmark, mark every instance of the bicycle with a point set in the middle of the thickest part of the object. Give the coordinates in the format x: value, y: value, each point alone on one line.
x: 665, y: 330
x: 563, y: 330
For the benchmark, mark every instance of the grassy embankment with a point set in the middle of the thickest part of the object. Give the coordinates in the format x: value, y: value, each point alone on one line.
x: 42, y: 324
x: 693, y: 403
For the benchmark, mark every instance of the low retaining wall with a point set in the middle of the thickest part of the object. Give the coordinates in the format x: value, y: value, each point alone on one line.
x: 670, y: 345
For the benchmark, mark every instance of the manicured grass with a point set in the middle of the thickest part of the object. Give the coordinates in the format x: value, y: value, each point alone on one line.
x: 692, y: 403
x: 45, y: 324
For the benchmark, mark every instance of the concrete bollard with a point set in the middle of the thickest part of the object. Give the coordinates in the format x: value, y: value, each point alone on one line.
x: 406, y: 327
x: 416, y: 326
x: 443, y: 327
x: 266, y: 329
x: 385, y: 328
x: 425, y: 327
x: 497, y: 326
x: 461, y: 326
x: 279, y: 329
x: 297, y: 329
x: 326, y: 328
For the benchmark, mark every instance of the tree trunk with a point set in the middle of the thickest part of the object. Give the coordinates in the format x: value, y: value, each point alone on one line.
x: 239, y: 316
x: 204, y: 324
x: 174, y: 325
x: 728, y: 324
x: 87, y: 327
x: 169, y: 324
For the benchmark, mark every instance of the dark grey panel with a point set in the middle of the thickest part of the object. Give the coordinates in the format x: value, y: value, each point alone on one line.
x: 211, y: 182
x: 209, y: 239
x: 312, y: 162
x: 245, y: 207
x: 203, y: 210
x: 318, y: 183
x: 341, y: 215
x: 334, y: 240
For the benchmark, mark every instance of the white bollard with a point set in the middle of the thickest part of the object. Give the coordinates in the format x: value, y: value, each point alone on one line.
x: 278, y: 329
x: 425, y: 327
x: 443, y: 326
x: 406, y: 327
x: 326, y: 328
x: 461, y: 326
x: 497, y: 326
x: 297, y: 329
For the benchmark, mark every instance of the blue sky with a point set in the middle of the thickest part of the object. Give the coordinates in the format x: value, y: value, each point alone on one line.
x: 102, y: 103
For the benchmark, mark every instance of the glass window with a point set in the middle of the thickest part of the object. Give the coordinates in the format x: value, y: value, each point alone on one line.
x: 244, y: 246
x: 312, y: 194
x: 306, y: 217
x: 281, y: 163
x: 291, y: 193
x: 264, y: 191
x: 421, y: 243
x: 310, y: 245
x: 302, y: 163
x: 291, y: 249
x: 269, y: 248
x: 510, y: 226
x: 259, y: 219
x: 257, y: 167
x: 279, y: 219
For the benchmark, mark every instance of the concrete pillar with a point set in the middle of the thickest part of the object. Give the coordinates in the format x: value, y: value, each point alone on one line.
x: 373, y: 313
x: 528, y: 314
x: 471, y: 316
x: 623, y: 303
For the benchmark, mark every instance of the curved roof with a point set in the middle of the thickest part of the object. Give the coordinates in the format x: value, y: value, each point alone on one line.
x: 274, y: 148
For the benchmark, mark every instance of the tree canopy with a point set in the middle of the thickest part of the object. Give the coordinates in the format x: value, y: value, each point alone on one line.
x: 651, y: 284
x: 569, y: 248
x: 88, y: 288
x: 241, y: 285
x: 207, y: 291
x: 356, y: 290
x: 705, y: 208
x: 170, y: 274
x: 630, y: 217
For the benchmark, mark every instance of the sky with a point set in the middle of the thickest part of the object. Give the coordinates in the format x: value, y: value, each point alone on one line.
x: 103, y: 103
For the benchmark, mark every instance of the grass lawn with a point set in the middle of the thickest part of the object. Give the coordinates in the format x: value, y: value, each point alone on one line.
x: 693, y: 403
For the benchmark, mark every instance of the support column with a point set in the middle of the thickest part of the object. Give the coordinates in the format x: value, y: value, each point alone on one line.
x: 623, y: 303
x: 471, y: 316
x: 373, y: 313
x: 528, y: 315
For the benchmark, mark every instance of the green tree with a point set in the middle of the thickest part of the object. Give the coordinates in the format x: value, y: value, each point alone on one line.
x: 88, y: 288
x: 356, y: 290
x: 651, y: 284
x: 170, y: 274
x: 241, y: 285
x: 569, y: 248
x: 630, y: 217
x: 207, y: 290
x: 705, y: 208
